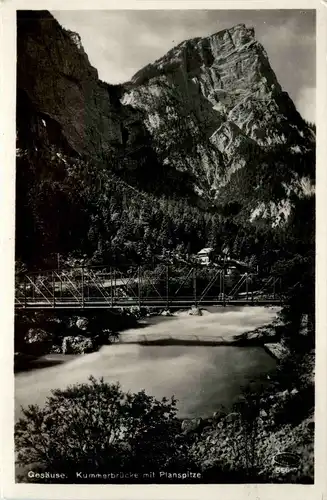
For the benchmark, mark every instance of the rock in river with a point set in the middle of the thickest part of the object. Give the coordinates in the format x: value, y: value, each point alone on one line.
x: 77, y: 345
x: 82, y: 323
x: 38, y: 341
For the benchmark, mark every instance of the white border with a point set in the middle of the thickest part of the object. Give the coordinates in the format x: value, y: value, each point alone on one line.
x: 10, y: 490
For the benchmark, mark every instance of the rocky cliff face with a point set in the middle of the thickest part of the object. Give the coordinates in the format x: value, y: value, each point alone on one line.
x: 58, y: 88
x: 218, y: 101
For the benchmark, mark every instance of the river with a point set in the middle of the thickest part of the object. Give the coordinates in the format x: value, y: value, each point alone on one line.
x: 201, y: 377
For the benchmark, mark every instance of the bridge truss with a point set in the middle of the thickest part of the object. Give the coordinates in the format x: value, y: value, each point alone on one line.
x: 164, y: 286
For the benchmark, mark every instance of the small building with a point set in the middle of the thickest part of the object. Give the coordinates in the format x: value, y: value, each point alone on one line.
x: 231, y: 270
x: 232, y: 266
x: 205, y: 256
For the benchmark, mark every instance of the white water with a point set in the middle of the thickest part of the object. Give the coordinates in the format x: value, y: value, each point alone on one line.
x: 221, y: 324
x: 200, y: 377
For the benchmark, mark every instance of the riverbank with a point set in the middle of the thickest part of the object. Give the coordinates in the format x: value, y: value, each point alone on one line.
x: 269, y: 437
x: 40, y: 334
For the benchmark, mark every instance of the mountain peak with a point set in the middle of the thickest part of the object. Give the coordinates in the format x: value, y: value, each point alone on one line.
x: 240, y: 31
x: 232, y: 104
x: 233, y: 49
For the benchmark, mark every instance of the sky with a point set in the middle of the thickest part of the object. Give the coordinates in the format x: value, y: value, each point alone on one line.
x: 119, y: 43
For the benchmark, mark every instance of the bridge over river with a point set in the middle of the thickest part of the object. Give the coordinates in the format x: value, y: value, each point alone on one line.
x: 162, y: 286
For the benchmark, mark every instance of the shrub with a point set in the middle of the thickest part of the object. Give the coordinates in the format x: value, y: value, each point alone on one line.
x: 97, y: 427
x: 232, y: 454
x: 296, y: 407
x: 243, y: 437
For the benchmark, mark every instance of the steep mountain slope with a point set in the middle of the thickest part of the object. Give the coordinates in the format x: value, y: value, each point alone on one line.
x: 54, y: 73
x: 218, y: 100
x: 88, y: 178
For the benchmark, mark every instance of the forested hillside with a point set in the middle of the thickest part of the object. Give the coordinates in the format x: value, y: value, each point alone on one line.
x: 201, y: 148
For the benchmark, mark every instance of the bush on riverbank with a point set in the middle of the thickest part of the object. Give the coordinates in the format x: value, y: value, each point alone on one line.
x: 96, y: 427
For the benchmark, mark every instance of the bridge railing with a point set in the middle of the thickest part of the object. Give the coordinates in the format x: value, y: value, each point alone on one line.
x: 164, y: 285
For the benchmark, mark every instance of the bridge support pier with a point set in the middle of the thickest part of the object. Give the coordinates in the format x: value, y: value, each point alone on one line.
x: 139, y: 291
x: 53, y: 290
x: 82, y: 272
x: 167, y: 287
x: 194, y: 287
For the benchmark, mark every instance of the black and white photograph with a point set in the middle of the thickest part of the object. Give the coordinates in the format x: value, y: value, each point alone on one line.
x: 165, y: 247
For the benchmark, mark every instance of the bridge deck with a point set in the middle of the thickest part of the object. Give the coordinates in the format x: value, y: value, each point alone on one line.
x: 144, y: 303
